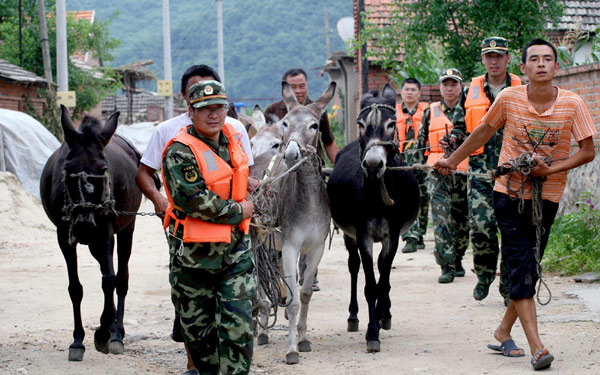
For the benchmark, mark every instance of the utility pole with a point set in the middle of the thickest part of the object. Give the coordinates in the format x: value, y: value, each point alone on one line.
x: 364, y: 73
x: 62, y: 76
x: 327, y: 35
x: 220, y: 40
x: 44, y: 41
x: 20, y: 35
x: 167, y: 57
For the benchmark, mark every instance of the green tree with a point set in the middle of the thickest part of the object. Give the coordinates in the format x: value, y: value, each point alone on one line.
x: 457, y: 27
x: 82, y: 36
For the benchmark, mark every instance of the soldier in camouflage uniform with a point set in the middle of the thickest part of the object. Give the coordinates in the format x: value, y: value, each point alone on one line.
x: 448, y: 194
x: 212, y: 282
x: 484, y: 232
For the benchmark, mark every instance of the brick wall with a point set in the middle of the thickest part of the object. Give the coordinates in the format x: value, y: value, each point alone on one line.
x: 582, y: 80
x: 12, y: 96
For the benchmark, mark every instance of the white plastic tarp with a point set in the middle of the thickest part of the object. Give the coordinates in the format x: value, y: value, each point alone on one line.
x: 139, y: 134
x: 25, y: 146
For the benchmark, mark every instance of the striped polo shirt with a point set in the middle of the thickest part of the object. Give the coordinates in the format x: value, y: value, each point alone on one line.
x: 545, y: 134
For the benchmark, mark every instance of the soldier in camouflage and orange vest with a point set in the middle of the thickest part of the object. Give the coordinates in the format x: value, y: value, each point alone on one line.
x: 205, y: 172
x: 484, y: 233
x: 442, y: 129
x: 409, y: 113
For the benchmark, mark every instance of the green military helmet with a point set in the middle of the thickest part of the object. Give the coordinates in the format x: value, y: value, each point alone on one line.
x: 450, y: 74
x: 494, y: 44
x: 206, y: 93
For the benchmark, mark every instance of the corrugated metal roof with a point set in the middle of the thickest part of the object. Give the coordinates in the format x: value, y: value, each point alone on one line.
x: 10, y: 72
x: 584, y: 14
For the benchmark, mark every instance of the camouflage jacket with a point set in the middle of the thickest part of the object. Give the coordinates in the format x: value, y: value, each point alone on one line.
x: 410, y: 133
x: 196, y: 200
x: 456, y: 115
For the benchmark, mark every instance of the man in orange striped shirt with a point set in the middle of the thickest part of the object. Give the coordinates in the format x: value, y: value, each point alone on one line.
x: 539, y: 119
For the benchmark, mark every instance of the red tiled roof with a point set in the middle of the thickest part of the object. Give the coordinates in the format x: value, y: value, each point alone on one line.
x: 83, y: 14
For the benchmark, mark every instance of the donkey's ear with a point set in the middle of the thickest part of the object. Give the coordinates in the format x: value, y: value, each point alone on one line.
x: 231, y: 111
x: 67, y: 125
x: 258, y: 117
x: 288, y: 96
x: 389, y: 93
x: 325, y: 97
x: 110, y: 126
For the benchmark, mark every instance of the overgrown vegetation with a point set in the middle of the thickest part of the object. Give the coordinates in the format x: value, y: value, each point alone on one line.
x: 572, y: 42
x: 81, y: 37
x: 574, y: 243
x: 455, y: 29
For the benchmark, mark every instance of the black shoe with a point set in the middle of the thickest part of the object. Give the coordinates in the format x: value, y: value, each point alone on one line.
x: 420, y: 244
x: 410, y: 247
x: 481, y: 291
x: 447, y: 275
x: 460, y: 271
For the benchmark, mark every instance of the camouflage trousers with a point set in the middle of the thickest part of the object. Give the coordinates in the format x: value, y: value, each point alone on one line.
x: 484, y: 230
x: 419, y: 228
x: 449, y: 207
x: 216, y: 314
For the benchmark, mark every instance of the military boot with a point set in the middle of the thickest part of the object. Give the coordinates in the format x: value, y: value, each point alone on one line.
x: 447, y: 275
x: 481, y: 290
x: 460, y: 271
x: 420, y: 244
x: 410, y: 247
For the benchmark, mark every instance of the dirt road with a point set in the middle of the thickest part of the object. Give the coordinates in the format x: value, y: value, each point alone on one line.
x: 436, y: 329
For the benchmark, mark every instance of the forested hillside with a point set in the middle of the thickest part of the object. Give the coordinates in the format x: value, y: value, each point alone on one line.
x: 263, y: 38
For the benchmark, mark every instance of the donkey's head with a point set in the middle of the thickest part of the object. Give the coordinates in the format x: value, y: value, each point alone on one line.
x: 377, y: 131
x: 268, y: 138
x: 300, y: 127
x: 87, y: 182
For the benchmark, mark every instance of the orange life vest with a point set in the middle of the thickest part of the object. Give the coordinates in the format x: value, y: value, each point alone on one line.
x: 401, y: 118
x: 220, y: 178
x: 477, y: 104
x: 437, y: 130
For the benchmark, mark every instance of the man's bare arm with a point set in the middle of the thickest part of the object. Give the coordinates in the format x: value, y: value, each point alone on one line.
x: 585, y: 155
x: 143, y: 178
x: 332, y: 150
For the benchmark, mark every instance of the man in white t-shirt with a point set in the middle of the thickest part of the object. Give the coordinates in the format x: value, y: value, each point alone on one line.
x: 151, y: 160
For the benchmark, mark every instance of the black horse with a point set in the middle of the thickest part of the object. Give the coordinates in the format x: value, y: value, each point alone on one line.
x: 83, y: 184
x: 372, y: 203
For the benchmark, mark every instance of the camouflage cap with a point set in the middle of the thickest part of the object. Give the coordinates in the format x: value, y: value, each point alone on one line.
x: 494, y: 44
x: 450, y: 74
x: 206, y: 93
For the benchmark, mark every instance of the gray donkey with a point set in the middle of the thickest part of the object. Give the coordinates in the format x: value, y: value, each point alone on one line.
x: 304, y: 210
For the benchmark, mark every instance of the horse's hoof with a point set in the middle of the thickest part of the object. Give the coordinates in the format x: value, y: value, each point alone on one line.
x: 101, y: 346
x: 116, y: 347
x: 76, y: 354
x: 262, y: 339
x: 386, y: 323
x: 292, y: 358
x: 353, y: 325
x: 373, y: 346
x: 304, y: 346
